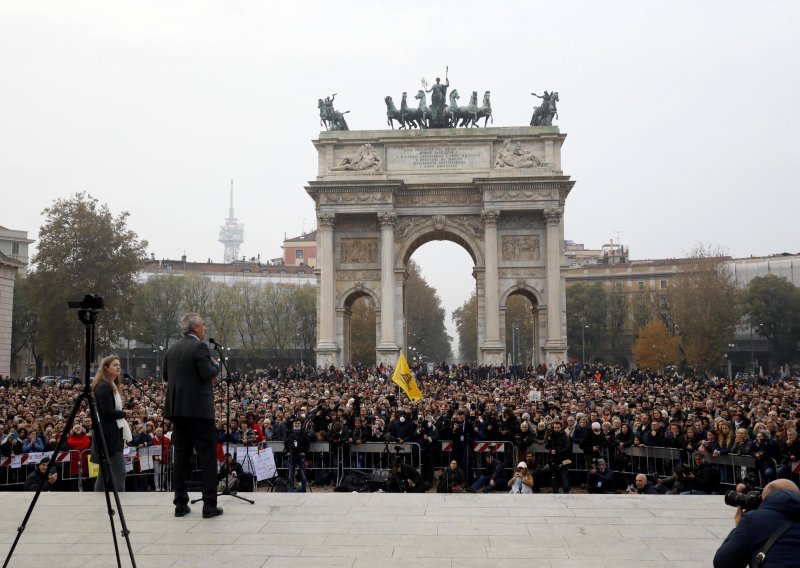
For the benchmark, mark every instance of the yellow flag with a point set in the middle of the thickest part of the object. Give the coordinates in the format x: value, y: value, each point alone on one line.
x: 405, y: 380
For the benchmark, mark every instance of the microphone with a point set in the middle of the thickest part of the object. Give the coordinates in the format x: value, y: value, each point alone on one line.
x: 215, y: 344
x: 131, y: 379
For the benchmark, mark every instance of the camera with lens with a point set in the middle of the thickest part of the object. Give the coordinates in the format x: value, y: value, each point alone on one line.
x: 749, y: 501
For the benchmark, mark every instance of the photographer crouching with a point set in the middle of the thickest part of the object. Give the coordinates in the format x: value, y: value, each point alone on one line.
x: 767, y: 531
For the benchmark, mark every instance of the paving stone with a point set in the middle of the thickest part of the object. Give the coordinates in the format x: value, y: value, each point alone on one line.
x: 367, y: 530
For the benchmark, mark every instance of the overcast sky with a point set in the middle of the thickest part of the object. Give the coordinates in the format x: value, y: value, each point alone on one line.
x: 681, y: 116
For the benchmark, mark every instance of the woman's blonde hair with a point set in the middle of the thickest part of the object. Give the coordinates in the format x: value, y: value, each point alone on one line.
x: 102, y: 376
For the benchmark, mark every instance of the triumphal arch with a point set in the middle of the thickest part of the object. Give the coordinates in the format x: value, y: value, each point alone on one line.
x: 497, y: 192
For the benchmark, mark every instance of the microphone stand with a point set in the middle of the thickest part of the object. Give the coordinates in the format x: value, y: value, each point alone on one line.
x: 218, y: 349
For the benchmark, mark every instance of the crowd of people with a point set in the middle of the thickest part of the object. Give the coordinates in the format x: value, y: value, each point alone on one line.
x: 603, y: 409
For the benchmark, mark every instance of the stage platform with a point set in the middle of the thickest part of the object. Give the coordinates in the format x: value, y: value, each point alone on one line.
x: 373, y: 529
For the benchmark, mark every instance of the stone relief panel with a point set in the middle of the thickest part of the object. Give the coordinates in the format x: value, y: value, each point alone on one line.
x: 470, y: 224
x: 359, y: 251
x: 524, y: 247
x: 365, y: 158
x: 515, y: 155
x: 358, y: 275
x: 406, y: 224
x: 545, y: 193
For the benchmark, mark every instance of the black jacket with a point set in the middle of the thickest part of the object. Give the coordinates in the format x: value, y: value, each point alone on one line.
x: 35, y: 478
x: 561, y: 443
x: 104, y: 396
x: 747, y: 539
x: 297, y: 442
x: 188, y: 371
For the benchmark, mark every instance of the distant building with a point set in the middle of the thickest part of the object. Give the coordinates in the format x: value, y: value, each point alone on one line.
x: 230, y: 273
x: 653, y: 277
x: 13, y: 261
x: 577, y: 255
x: 302, y: 250
x: 231, y: 234
x: 14, y: 245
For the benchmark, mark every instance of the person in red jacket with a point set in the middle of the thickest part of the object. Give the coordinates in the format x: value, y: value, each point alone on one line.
x: 78, y: 442
x: 161, y: 461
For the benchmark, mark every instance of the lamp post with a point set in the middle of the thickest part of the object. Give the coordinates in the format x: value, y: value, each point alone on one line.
x: 584, y: 326
x: 157, y: 356
x: 730, y: 363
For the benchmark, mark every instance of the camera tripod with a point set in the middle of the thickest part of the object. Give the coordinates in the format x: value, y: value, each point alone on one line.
x: 87, y: 313
x: 218, y: 349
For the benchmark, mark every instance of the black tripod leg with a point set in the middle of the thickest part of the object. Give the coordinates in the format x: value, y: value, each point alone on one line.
x: 105, y: 470
x: 61, y: 441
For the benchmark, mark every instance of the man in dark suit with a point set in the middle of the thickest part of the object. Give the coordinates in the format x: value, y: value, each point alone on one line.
x: 188, y: 371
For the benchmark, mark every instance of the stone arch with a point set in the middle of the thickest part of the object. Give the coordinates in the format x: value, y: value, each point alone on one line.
x: 538, y: 327
x: 344, y: 310
x: 427, y: 234
x: 523, y: 289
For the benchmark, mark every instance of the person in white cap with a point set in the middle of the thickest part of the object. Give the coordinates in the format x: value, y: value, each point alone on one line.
x: 522, y: 481
x: 594, y: 443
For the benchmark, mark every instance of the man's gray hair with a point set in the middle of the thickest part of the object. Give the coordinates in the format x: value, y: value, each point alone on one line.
x: 188, y: 322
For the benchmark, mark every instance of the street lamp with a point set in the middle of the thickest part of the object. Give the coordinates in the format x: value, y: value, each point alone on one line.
x: 157, y: 357
x: 584, y: 327
x: 731, y: 346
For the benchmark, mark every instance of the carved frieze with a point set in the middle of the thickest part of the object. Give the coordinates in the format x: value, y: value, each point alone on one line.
x: 461, y: 198
x: 545, y: 193
x: 345, y: 198
x: 358, y: 275
x: 359, y: 251
x: 521, y: 247
x: 522, y: 272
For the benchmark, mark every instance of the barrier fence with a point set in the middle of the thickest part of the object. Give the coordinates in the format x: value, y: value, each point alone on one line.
x: 150, y: 469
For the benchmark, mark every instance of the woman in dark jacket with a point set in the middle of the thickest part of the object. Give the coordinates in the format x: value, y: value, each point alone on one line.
x: 107, y: 393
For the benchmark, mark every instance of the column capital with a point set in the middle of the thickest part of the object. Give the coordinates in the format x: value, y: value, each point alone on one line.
x: 326, y: 220
x: 553, y: 216
x: 387, y: 220
x: 490, y: 217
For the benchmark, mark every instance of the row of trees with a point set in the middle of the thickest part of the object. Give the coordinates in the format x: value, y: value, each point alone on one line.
x: 693, y: 321
x: 84, y: 249
x: 253, y: 317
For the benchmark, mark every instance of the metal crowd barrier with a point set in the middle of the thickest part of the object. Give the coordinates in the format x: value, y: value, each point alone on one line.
x: 376, y: 456
x: 329, y: 463
x: 320, y: 465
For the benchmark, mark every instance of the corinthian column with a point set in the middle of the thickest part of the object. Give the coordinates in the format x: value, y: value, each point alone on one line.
x: 326, y: 346
x: 387, y: 346
x: 555, y: 346
x: 492, y: 347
